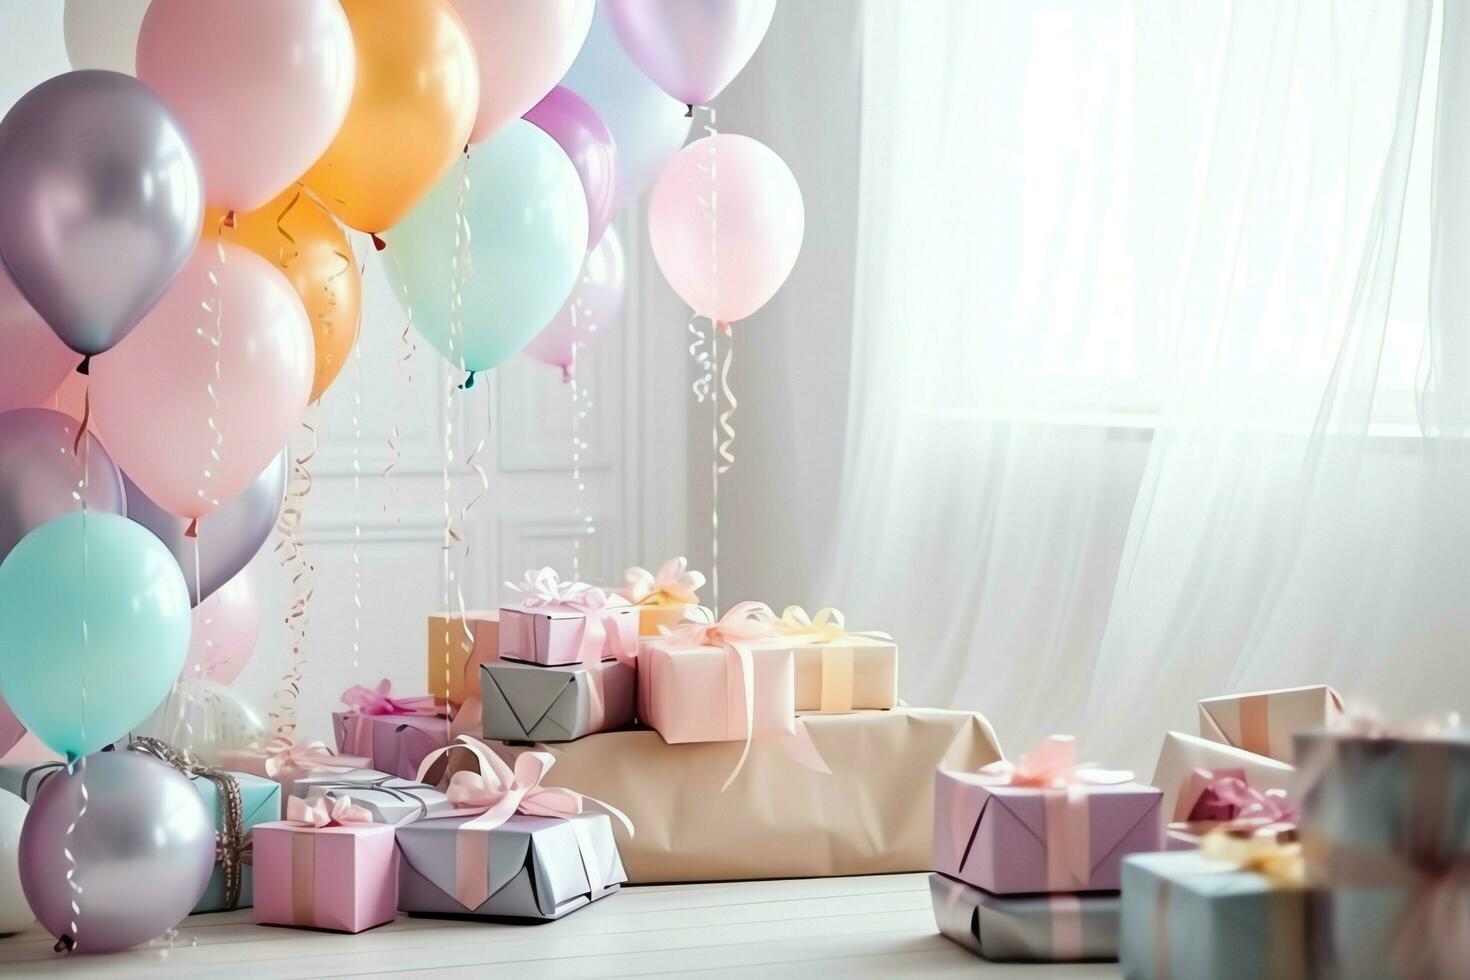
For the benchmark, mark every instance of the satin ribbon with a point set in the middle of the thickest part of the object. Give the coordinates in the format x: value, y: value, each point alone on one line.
x: 1052, y: 767
x: 544, y: 589
x: 378, y: 785
x: 826, y: 629
x: 495, y: 792
x: 1231, y: 798
x: 1066, y: 927
x: 672, y: 585
x: 321, y: 813
x: 376, y: 701
x: 282, y: 755
x: 338, y: 811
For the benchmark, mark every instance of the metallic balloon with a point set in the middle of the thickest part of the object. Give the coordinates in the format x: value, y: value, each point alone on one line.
x: 691, y: 48
x: 15, y: 914
x: 144, y: 851
x: 102, y: 203
x: 228, y: 536
x: 40, y: 473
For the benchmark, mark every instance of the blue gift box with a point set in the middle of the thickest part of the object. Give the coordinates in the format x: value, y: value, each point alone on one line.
x: 260, y: 802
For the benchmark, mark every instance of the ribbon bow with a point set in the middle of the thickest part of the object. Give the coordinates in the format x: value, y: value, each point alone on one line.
x: 672, y: 585
x: 283, y: 755
x: 1051, y: 765
x: 1269, y: 850
x: 324, y: 812
x: 827, y: 625
x: 544, y: 589
x: 375, y: 701
x: 1231, y: 798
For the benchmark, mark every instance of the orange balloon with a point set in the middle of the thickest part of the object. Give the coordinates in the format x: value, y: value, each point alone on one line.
x: 302, y: 240
x: 413, y: 105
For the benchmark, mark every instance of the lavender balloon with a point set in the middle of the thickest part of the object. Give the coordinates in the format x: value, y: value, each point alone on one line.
x: 566, y: 118
x: 228, y: 536
x: 144, y: 851
x: 691, y: 48
x: 102, y: 204
x: 41, y: 471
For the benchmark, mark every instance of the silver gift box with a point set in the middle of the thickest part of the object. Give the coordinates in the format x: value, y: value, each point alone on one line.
x: 1026, y: 927
x: 533, y: 703
x: 537, y: 867
x: 388, y: 798
x: 24, y: 779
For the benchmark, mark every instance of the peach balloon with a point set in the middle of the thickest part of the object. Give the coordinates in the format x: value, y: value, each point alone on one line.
x: 729, y: 274
x: 151, y: 393
x: 305, y: 242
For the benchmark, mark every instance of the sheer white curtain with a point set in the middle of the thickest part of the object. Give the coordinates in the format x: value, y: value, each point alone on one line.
x: 1161, y: 357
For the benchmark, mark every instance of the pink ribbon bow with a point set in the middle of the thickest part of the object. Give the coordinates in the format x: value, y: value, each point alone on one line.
x: 375, y: 701
x: 544, y: 589
x: 673, y: 583
x: 322, y: 812
x: 1230, y: 798
x: 283, y: 755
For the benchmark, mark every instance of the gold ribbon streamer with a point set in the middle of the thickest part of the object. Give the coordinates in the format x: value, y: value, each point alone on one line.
x: 289, y: 550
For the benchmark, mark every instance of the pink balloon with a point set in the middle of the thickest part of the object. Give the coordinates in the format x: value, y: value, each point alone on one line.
x: 33, y: 360
x: 226, y: 626
x: 524, y: 47
x: 760, y: 225
x: 151, y: 393
x: 260, y: 87
x: 589, y: 311
x: 564, y: 117
x: 691, y: 48
x: 70, y: 398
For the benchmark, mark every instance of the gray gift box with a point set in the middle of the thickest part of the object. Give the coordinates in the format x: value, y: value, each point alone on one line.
x: 390, y: 799
x: 1038, y: 927
x: 532, y: 703
x: 24, y: 779
x: 536, y: 867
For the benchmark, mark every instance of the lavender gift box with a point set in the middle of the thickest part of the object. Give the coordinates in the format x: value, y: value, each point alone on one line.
x: 1058, y: 928
x: 394, y: 733
x: 567, y: 622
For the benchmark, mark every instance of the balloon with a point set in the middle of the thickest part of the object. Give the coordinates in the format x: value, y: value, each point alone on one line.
x: 225, y: 629
x: 32, y: 360
x: 523, y: 47
x: 647, y: 126
x: 262, y: 87
x: 227, y: 537
x: 41, y: 473
x: 103, y: 33
x: 564, y: 117
x: 152, y: 394
x: 308, y: 245
x: 760, y: 225
x: 413, y: 104
x: 11, y: 732
x: 595, y: 301
x: 104, y: 576
x: 528, y: 224
x: 15, y: 914
x: 143, y: 851
x: 205, y: 718
x: 102, y: 203
x: 691, y: 48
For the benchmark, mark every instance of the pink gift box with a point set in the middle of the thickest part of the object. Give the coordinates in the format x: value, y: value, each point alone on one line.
x: 343, y: 878
x: 1008, y: 839
x: 550, y: 636
x: 395, y: 744
x: 697, y: 693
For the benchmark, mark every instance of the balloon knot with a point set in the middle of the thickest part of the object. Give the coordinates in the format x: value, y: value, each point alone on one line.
x: 566, y: 374
x: 64, y: 945
x: 378, y: 243
x: 468, y: 382
x: 192, y: 531
x: 229, y: 219
x: 688, y: 110
x: 86, y: 366
x: 466, y: 149
x: 723, y: 326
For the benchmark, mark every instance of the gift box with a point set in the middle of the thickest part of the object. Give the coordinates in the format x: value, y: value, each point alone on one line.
x: 1183, y: 755
x: 1195, y: 916
x: 527, y: 702
x: 325, y: 868
x: 873, y: 814
x: 395, y: 734
x: 512, y: 848
x: 1042, y: 825
x: 1225, y: 800
x: 692, y: 685
x: 1047, y: 928
x: 837, y: 670
x: 1264, y: 722
x: 283, y: 761
x: 458, y: 646
x: 567, y: 622
x: 260, y: 802
x: 389, y: 799
x: 664, y: 597
x: 24, y: 779
x: 1386, y: 830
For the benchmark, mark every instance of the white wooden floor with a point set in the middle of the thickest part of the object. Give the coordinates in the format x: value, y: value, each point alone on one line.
x: 853, y: 927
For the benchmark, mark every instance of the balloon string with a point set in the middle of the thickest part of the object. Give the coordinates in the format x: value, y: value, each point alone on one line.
x: 215, y: 307
x: 76, y: 446
x: 356, y: 505
x: 77, y: 762
x: 298, y: 488
x: 458, y: 275
x: 718, y: 451
x: 724, y: 453
x: 404, y: 364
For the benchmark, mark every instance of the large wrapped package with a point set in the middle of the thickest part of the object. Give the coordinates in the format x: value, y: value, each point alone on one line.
x: 1056, y: 927
x: 1264, y: 722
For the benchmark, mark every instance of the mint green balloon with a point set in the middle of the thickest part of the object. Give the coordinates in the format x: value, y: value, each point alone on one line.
x: 527, y: 216
x: 120, y: 580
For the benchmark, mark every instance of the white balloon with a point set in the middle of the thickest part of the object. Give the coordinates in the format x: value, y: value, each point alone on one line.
x: 204, y: 718
x: 103, y: 33
x: 15, y: 912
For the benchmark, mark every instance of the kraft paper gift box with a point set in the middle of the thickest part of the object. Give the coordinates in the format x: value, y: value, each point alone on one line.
x: 1264, y: 722
x: 1188, y: 915
x: 664, y: 597
x: 1044, y: 825
x: 567, y: 622
x: 390, y: 799
x: 394, y: 733
x: 341, y: 878
x: 531, y: 703
x: 454, y: 659
x: 1045, y: 928
x: 873, y: 814
x: 1386, y: 831
x: 1182, y: 755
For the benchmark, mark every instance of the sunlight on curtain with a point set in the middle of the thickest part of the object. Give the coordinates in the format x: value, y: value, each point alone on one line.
x: 1143, y: 293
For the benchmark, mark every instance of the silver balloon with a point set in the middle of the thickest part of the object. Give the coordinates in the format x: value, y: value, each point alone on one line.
x: 41, y: 473
x: 228, y: 537
x: 144, y: 851
x: 103, y: 203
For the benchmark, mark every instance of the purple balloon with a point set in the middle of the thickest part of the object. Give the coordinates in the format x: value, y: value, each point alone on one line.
x: 228, y: 536
x: 574, y: 125
x: 41, y: 472
x: 691, y: 48
x: 102, y: 203
x: 144, y: 851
